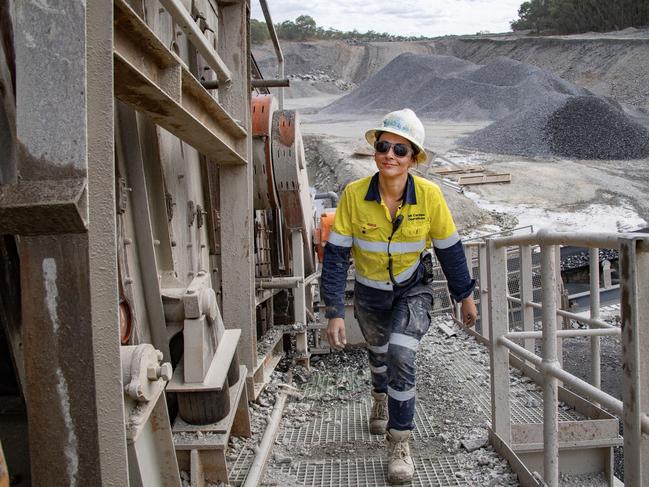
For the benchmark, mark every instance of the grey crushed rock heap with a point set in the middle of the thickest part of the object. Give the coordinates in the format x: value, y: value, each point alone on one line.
x: 447, y: 87
x: 536, y: 113
x: 576, y: 127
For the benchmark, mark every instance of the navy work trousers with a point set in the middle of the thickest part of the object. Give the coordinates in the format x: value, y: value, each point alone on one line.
x: 393, y: 323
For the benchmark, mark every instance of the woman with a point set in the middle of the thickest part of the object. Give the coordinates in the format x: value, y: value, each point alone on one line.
x: 390, y: 219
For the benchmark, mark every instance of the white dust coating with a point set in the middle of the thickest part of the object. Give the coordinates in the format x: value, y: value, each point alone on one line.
x: 51, y: 291
x: 51, y: 298
x: 593, y: 218
x: 71, y: 447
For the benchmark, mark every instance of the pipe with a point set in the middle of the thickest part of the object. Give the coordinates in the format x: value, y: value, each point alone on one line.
x: 259, y: 463
x: 577, y: 239
x: 328, y: 194
x: 595, y: 346
x: 550, y: 383
x: 279, y: 283
x: 286, y: 282
x: 182, y: 17
x: 481, y: 238
x: 278, y: 49
x: 566, y: 314
x: 590, y: 332
x: 255, y: 83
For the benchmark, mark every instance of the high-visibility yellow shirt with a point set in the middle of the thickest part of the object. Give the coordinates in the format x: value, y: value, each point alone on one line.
x: 363, y: 222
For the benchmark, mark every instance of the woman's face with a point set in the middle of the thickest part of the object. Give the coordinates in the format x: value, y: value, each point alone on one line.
x: 388, y: 163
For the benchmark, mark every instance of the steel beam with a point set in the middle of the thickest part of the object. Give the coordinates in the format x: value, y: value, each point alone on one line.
x: 153, y: 80
x: 526, y: 289
x: 69, y: 281
x: 634, y: 273
x: 299, y: 295
x: 499, y: 355
x: 550, y: 359
x: 131, y: 151
x: 182, y: 17
x: 236, y: 193
x: 595, y: 348
x: 483, y: 271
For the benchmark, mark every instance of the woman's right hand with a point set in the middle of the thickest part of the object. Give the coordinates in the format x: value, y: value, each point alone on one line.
x: 336, y: 333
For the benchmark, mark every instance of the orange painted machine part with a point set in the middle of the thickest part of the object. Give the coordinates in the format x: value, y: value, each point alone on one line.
x: 261, y: 106
x: 326, y: 224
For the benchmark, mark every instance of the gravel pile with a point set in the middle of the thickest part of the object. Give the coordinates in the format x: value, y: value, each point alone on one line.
x: 536, y: 113
x: 576, y: 127
x: 447, y: 87
x: 582, y: 259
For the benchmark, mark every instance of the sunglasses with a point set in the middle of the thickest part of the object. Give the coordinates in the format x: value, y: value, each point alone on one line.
x: 400, y: 150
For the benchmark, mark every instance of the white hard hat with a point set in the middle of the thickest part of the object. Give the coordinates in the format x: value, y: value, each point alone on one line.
x: 406, y: 124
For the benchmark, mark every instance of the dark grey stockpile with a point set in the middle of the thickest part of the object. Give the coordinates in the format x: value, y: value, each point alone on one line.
x: 447, y: 87
x: 575, y: 127
x: 535, y: 112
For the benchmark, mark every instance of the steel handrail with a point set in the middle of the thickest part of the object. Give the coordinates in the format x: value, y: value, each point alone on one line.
x: 563, y: 313
x: 580, y: 386
x: 634, y: 260
x: 535, y: 335
x: 582, y: 239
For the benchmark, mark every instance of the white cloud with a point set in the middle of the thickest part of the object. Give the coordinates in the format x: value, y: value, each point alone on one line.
x: 418, y: 17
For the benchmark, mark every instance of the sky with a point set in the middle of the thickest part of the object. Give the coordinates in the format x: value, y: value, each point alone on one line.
x: 430, y: 18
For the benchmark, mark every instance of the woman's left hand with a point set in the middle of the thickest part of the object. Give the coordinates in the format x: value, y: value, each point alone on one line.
x: 469, y: 312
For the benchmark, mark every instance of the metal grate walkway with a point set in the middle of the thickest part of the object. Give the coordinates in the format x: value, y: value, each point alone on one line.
x: 435, y: 472
x: 324, y: 440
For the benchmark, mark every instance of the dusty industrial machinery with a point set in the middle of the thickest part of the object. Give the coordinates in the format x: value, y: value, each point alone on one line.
x: 152, y: 208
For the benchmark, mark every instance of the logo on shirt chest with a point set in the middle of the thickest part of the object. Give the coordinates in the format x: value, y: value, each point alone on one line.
x: 416, y: 217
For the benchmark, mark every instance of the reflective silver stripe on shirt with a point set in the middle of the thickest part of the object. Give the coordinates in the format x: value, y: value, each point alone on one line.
x: 401, y: 395
x: 447, y: 242
x: 379, y: 370
x: 404, y: 341
x: 383, y: 285
x: 340, y: 240
x: 407, y: 274
x: 381, y: 349
x: 386, y: 285
x: 395, y: 247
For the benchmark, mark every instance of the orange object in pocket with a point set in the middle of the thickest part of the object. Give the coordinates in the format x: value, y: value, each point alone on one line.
x: 324, y: 229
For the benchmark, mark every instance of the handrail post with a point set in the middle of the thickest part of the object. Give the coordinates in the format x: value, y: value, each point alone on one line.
x: 498, y: 326
x: 559, y: 300
x: 483, y: 280
x: 595, y: 351
x: 526, y: 290
x: 550, y: 384
x: 634, y: 274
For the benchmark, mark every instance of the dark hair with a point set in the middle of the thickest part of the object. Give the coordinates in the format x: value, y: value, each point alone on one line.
x: 415, y: 150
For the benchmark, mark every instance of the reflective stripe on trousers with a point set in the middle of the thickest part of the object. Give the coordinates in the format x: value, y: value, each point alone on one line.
x: 393, y: 336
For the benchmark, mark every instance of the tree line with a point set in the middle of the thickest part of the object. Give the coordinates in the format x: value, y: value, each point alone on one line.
x: 575, y: 16
x: 304, y: 28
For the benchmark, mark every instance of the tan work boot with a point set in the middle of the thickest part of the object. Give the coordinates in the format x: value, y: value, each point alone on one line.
x: 379, y: 414
x: 400, y: 465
